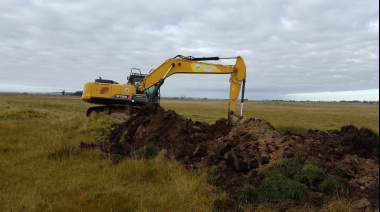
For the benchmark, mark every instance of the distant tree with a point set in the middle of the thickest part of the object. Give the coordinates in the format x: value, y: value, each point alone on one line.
x: 63, y: 92
x: 78, y: 93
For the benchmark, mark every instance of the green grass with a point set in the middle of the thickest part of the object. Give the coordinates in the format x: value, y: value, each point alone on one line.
x: 331, y: 186
x: 311, y: 175
x: 289, y: 178
x: 290, y: 167
x: 147, y: 151
x: 275, y: 188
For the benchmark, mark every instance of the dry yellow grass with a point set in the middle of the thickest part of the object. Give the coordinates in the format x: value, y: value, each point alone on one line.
x: 42, y: 167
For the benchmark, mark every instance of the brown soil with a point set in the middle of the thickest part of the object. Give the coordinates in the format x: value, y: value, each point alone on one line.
x: 239, y: 156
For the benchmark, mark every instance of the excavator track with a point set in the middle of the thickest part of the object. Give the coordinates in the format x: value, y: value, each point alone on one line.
x: 117, y: 111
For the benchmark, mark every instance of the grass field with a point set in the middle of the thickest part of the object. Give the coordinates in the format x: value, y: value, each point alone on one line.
x: 297, y: 117
x: 42, y: 167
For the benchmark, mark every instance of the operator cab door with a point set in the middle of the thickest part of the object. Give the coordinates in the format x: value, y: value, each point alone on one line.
x: 134, y: 79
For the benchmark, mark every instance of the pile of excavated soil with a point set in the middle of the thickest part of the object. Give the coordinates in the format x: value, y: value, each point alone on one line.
x: 239, y: 156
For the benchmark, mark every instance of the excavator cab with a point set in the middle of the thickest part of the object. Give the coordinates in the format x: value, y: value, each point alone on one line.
x: 135, y: 77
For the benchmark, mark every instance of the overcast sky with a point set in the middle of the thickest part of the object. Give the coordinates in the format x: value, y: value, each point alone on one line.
x: 293, y: 49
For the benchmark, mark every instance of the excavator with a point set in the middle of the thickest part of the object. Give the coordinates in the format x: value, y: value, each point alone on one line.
x: 142, y: 89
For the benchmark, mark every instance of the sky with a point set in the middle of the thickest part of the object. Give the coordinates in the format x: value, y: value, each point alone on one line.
x: 318, y: 50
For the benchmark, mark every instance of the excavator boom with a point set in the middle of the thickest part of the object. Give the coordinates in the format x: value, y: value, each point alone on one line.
x: 191, y: 65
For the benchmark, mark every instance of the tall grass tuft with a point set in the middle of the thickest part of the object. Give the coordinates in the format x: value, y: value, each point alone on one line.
x: 290, y: 167
x: 311, y: 175
x: 275, y: 188
x: 147, y: 151
x: 63, y: 152
x: 23, y: 114
x: 337, y: 204
x: 331, y: 186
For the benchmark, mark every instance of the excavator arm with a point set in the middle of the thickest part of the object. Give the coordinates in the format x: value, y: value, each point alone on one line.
x: 190, y: 65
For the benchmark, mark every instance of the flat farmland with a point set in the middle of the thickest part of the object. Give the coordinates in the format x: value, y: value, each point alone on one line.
x: 43, y: 166
x: 297, y: 117
x: 293, y: 116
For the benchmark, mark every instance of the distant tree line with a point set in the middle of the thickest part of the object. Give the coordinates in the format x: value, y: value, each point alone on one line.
x: 280, y: 100
x: 76, y: 93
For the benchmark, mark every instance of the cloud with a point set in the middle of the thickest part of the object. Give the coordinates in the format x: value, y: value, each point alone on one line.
x: 290, y: 46
x: 359, y: 95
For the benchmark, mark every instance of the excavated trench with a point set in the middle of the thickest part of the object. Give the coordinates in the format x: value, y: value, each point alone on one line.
x: 238, y: 157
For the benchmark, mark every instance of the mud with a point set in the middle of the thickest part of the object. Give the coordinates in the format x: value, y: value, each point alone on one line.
x: 236, y: 157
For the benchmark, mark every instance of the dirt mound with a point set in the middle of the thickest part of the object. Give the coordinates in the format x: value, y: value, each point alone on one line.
x: 239, y: 157
x: 165, y: 129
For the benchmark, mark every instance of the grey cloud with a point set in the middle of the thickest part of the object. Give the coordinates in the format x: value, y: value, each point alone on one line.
x: 290, y: 46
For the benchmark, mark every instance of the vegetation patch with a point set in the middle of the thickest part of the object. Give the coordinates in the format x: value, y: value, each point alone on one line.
x: 96, y: 125
x: 311, y: 175
x: 116, y: 158
x: 23, y: 114
x: 63, y: 152
x: 290, y: 178
x: 9, y: 149
x: 300, y: 168
x: 250, y: 193
x: 147, y: 151
x: 337, y: 204
x: 275, y: 188
x: 331, y: 186
x: 289, y: 167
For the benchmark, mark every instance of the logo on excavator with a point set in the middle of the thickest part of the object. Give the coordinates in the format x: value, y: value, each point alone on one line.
x: 104, y: 90
x: 199, y: 68
x: 126, y: 90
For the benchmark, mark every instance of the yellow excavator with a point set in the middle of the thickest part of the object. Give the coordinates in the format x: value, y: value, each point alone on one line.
x: 142, y: 89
